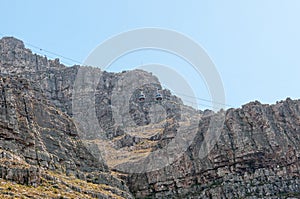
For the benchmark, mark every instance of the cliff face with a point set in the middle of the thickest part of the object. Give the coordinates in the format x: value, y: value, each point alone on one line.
x: 39, y: 144
x: 256, y: 155
x: 38, y: 131
x: 54, y: 79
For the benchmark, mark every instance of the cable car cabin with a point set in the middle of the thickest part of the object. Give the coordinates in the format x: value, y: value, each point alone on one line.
x: 158, y: 97
x: 141, y: 97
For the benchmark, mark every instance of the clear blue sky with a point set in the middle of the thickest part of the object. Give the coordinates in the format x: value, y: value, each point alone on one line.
x: 255, y: 44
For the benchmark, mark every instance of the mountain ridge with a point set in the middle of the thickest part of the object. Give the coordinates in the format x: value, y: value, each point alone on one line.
x: 256, y: 156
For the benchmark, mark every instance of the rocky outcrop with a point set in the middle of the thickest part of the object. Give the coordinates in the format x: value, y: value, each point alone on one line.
x: 255, y: 156
x: 54, y: 79
x: 35, y: 135
x: 35, y: 129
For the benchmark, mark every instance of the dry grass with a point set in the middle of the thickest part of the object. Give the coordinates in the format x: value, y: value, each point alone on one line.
x: 63, y: 187
x: 60, y: 185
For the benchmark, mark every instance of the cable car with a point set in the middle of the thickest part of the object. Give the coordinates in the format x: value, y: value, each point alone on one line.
x: 158, y: 96
x: 141, y: 97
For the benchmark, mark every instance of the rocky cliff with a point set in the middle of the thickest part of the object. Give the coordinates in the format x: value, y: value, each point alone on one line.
x: 40, y: 145
x: 256, y: 154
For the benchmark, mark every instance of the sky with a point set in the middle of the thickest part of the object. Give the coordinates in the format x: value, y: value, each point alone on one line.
x: 254, y: 45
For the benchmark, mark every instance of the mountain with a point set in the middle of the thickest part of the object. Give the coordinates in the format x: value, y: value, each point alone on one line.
x: 41, y: 150
x: 49, y: 149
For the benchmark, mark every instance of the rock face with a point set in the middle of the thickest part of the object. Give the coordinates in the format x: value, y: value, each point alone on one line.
x: 38, y: 131
x: 35, y: 135
x: 256, y: 156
